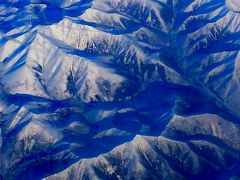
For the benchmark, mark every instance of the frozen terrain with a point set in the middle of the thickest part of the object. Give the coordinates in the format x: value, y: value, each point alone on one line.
x: 119, y: 89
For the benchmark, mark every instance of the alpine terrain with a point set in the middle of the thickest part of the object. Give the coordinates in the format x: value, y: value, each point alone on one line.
x: 119, y: 89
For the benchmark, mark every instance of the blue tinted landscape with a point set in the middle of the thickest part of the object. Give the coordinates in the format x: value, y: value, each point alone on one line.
x: 119, y: 89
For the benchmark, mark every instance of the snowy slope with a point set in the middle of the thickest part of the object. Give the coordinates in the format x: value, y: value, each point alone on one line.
x: 119, y: 89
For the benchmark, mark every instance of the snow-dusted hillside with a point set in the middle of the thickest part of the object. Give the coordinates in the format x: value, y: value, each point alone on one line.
x: 119, y: 89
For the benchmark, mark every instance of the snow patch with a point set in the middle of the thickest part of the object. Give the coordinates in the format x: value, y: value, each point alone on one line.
x: 233, y: 5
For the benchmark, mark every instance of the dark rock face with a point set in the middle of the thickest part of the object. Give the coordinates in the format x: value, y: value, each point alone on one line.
x: 119, y: 89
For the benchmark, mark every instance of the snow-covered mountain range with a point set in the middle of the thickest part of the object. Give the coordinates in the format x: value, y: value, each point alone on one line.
x: 119, y: 89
